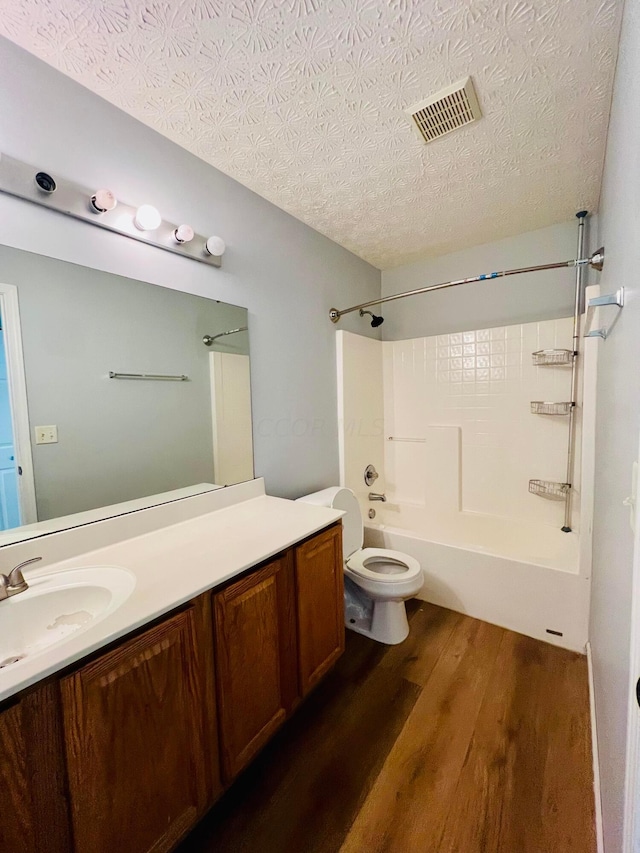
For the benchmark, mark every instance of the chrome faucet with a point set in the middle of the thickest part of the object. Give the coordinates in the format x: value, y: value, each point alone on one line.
x: 373, y: 496
x: 15, y: 582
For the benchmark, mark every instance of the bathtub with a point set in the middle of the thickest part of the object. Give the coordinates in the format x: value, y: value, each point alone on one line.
x: 524, y: 577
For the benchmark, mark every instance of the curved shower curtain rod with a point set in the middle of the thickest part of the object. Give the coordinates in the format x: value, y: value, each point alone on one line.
x: 596, y: 261
x: 207, y: 340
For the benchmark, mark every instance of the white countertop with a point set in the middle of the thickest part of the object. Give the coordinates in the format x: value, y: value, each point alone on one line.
x: 173, y: 565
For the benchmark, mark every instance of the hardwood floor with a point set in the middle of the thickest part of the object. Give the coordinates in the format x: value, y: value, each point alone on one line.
x: 464, y: 739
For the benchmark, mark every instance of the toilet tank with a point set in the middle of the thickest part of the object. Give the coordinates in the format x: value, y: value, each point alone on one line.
x: 337, y: 497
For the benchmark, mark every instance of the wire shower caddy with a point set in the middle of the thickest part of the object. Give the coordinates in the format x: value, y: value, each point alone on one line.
x: 549, y: 489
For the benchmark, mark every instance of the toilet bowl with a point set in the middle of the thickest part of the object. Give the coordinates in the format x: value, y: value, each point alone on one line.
x: 377, y: 580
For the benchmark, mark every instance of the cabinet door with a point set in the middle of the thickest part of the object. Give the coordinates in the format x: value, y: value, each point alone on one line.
x: 137, y: 745
x: 319, y: 587
x: 16, y: 824
x: 34, y: 810
x: 255, y: 661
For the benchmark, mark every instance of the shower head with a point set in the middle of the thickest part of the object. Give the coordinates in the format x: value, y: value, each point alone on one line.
x: 375, y: 320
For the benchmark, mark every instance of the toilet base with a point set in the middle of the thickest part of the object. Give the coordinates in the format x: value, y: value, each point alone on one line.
x: 389, y: 624
x: 386, y: 622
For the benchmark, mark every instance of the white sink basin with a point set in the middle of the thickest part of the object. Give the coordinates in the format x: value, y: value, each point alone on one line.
x: 57, y: 607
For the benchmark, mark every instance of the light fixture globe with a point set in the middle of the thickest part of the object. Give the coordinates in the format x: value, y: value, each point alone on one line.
x: 183, y: 234
x: 147, y: 218
x: 102, y: 201
x: 215, y: 246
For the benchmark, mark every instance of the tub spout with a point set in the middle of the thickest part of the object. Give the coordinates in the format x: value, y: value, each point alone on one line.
x: 373, y: 496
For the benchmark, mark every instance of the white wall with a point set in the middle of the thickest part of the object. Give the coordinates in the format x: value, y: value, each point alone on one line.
x: 284, y: 272
x: 617, y: 428
x: 498, y: 302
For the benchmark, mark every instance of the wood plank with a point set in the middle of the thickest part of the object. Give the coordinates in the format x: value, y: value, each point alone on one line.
x: 303, y: 792
x: 338, y: 763
x: 513, y: 793
x: 431, y: 629
x: 407, y: 807
x: 465, y: 738
x: 569, y: 808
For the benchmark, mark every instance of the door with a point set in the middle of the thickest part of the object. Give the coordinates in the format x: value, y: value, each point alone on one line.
x: 137, y: 743
x: 17, y: 487
x: 232, y: 429
x: 320, y: 607
x: 9, y: 500
x: 255, y: 661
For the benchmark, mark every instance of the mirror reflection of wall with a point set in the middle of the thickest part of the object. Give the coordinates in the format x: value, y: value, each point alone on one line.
x: 121, y: 439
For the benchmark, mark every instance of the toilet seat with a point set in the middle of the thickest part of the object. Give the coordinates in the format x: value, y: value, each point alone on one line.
x: 392, y: 566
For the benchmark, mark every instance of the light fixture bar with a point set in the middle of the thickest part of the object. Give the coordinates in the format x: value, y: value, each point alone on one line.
x: 18, y: 179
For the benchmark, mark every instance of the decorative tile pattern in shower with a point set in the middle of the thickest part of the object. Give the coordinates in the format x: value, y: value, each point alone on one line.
x: 480, y: 384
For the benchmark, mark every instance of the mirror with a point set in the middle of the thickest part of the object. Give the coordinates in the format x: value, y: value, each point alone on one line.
x: 119, y: 398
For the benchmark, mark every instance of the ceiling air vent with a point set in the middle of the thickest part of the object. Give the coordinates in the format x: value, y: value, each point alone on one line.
x: 450, y: 109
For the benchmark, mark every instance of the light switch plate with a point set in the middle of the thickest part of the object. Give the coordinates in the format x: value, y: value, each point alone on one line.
x: 46, y: 434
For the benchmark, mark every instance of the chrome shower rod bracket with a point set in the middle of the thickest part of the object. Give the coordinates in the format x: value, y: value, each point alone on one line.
x: 596, y: 262
x: 613, y: 299
x: 207, y: 340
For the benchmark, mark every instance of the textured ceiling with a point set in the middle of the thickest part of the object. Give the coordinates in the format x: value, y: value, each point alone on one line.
x: 303, y: 101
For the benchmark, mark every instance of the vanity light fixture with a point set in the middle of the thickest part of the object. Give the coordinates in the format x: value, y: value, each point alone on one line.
x: 100, y: 207
x: 215, y: 246
x: 183, y: 234
x: 102, y: 201
x: 147, y: 218
x: 45, y: 182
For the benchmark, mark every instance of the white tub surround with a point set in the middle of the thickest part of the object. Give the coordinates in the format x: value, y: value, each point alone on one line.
x: 458, y: 447
x: 176, y: 552
x: 467, y: 397
x: 520, y: 596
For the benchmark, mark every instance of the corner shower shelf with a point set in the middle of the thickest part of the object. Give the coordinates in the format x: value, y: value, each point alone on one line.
x: 538, y: 407
x: 558, y: 357
x: 548, y: 489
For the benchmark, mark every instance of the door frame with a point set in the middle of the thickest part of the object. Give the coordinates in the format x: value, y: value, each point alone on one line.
x: 18, y: 397
x: 631, y: 828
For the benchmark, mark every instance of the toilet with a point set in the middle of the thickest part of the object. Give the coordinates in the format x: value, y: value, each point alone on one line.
x: 378, y: 581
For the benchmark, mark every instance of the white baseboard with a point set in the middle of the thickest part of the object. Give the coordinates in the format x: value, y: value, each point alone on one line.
x: 594, y: 752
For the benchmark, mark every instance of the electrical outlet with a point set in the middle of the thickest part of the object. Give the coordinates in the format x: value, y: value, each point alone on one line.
x: 46, y: 434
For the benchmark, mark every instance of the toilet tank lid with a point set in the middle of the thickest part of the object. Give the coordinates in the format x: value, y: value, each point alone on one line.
x: 338, y: 497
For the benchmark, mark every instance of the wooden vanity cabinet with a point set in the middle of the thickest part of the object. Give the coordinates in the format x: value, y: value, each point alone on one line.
x: 139, y: 730
x: 278, y: 630
x: 122, y: 753
x: 34, y: 813
x: 255, y: 637
x: 319, y: 581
